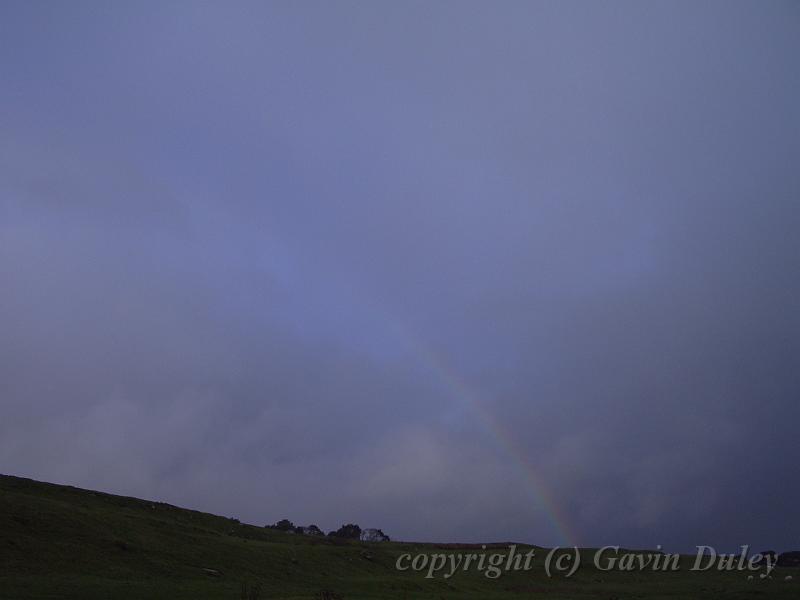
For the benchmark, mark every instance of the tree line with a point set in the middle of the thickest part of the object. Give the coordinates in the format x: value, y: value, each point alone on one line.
x: 350, y: 531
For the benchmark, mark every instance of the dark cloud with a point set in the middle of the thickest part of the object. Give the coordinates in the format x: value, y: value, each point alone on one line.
x: 418, y: 267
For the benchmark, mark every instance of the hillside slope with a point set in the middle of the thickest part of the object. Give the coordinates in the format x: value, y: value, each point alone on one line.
x: 64, y: 542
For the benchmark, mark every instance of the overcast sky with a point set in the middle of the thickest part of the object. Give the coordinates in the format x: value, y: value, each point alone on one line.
x: 434, y: 267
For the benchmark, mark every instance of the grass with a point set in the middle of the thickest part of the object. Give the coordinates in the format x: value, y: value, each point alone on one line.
x: 59, y: 542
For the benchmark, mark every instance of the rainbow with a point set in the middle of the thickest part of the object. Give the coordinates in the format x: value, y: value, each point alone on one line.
x: 462, y: 392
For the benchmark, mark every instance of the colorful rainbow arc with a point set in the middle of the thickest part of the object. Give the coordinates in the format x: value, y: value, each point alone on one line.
x: 464, y: 393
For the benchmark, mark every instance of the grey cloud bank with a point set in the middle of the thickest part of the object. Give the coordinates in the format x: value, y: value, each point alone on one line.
x: 247, y: 250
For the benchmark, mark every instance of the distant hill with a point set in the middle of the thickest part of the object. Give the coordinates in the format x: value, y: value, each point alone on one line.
x: 60, y: 542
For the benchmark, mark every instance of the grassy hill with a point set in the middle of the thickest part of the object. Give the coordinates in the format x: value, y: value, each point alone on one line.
x: 63, y: 542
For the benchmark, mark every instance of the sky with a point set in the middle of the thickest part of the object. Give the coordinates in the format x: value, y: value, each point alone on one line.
x: 464, y: 271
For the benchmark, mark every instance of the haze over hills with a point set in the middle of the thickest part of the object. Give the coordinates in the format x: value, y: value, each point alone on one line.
x: 530, y: 267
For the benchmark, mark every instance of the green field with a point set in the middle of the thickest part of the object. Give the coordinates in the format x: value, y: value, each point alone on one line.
x: 64, y: 542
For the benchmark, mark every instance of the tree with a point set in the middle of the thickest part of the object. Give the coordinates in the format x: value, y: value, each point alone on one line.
x: 283, y: 525
x: 350, y: 531
x: 374, y: 535
x: 312, y: 530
